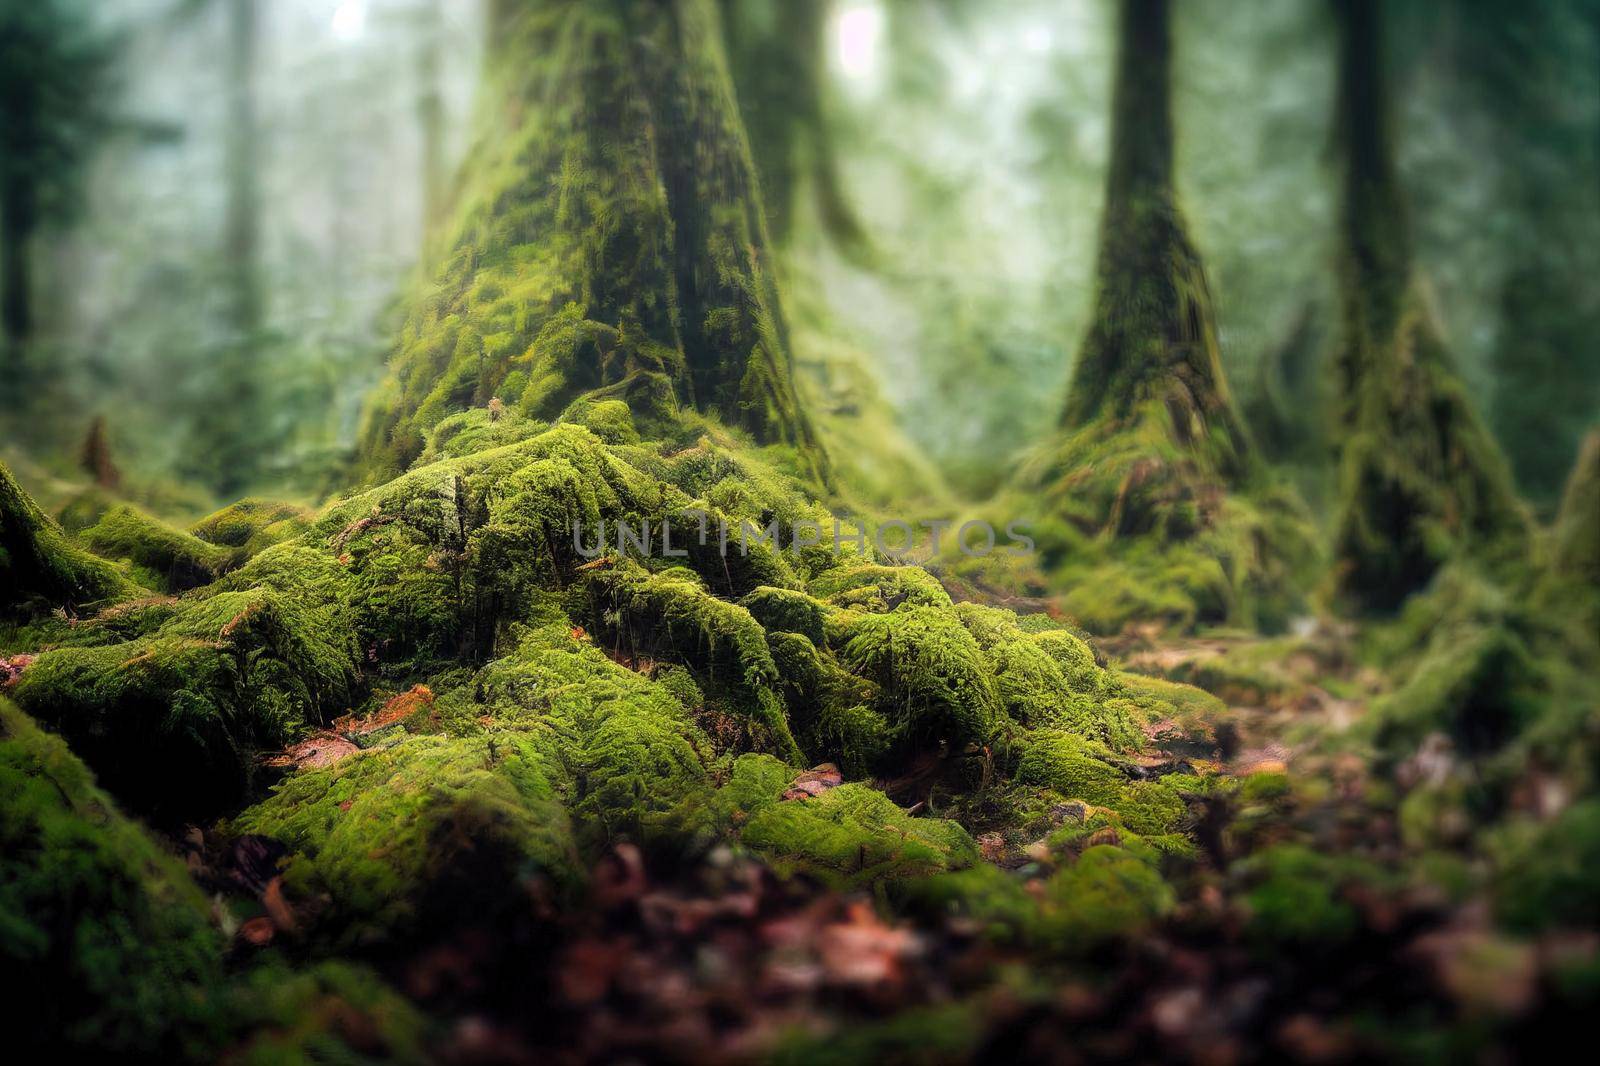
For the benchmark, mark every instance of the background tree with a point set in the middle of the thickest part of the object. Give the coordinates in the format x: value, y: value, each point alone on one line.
x: 55, y: 70
x: 1419, y: 474
x: 777, y: 51
x: 1153, y: 336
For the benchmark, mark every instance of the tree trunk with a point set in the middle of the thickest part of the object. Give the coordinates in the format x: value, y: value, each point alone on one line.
x: 19, y: 219
x: 230, y: 435
x: 611, y: 238
x: 243, y: 225
x: 777, y: 51
x: 430, y: 112
x: 1153, y: 336
x: 1419, y: 475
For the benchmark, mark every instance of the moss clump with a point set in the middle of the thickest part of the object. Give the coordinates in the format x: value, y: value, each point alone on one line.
x: 40, y: 566
x: 163, y: 557
x: 1107, y: 894
x: 1548, y: 876
x: 934, y: 683
x: 787, y: 611
x: 1298, y: 902
x: 854, y: 835
x: 1050, y: 679
x: 421, y: 831
x: 1075, y: 767
x: 252, y: 526
x: 671, y: 616
x: 105, y: 940
x: 172, y: 720
x: 330, y: 1012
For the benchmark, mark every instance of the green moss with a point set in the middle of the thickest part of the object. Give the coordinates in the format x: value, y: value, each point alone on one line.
x: 878, y: 589
x: 41, y: 567
x: 934, y: 683
x: 251, y: 526
x: 610, y: 420
x: 172, y: 720
x: 107, y: 940
x: 945, y: 1033
x: 787, y: 611
x: 1549, y: 875
x: 1049, y: 679
x: 663, y: 616
x: 1107, y: 894
x: 854, y: 835
x: 330, y: 1012
x: 1075, y: 767
x: 1297, y: 902
x: 623, y: 748
x: 164, y: 557
x: 424, y: 830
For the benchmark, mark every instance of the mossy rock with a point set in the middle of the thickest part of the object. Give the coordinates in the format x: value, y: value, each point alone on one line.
x: 251, y: 526
x: 853, y: 835
x: 935, y: 684
x: 106, y: 943
x: 41, y: 567
x: 164, y: 557
x: 422, y: 832
x: 172, y: 720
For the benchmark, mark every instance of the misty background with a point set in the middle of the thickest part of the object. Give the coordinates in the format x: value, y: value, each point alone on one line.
x: 249, y: 187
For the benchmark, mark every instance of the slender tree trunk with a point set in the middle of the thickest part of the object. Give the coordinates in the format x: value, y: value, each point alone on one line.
x: 1153, y: 335
x: 243, y: 224
x: 778, y: 53
x: 1420, y: 478
x: 19, y: 220
x: 430, y: 112
x: 611, y: 241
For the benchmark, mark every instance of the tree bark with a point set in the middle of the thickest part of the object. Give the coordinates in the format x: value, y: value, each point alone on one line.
x: 19, y: 219
x: 1420, y: 478
x: 611, y: 239
x: 1153, y: 334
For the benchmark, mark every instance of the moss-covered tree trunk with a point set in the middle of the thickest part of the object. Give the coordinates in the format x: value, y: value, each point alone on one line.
x: 1153, y: 336
x: 1419, y: 478
x: 777, y: 51
x: 610, y: 237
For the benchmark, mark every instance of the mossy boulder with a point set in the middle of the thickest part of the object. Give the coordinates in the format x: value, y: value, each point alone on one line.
x: 39, y: 564
x: 855, y: 835
x: 416, y: 831
x: 161, y: 556
x: 105, y: 943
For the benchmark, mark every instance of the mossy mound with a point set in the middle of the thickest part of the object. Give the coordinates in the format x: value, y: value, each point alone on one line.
x: 251, y: 526
x: 105, y: 943
x: 1131, y: 522
x: 1107, y: 894
x: 854, y: 835
x: 40, y: 566
x: 172, y: 719
x: 160, y: 556
x: 403, y: 834
x: 582, y: 691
